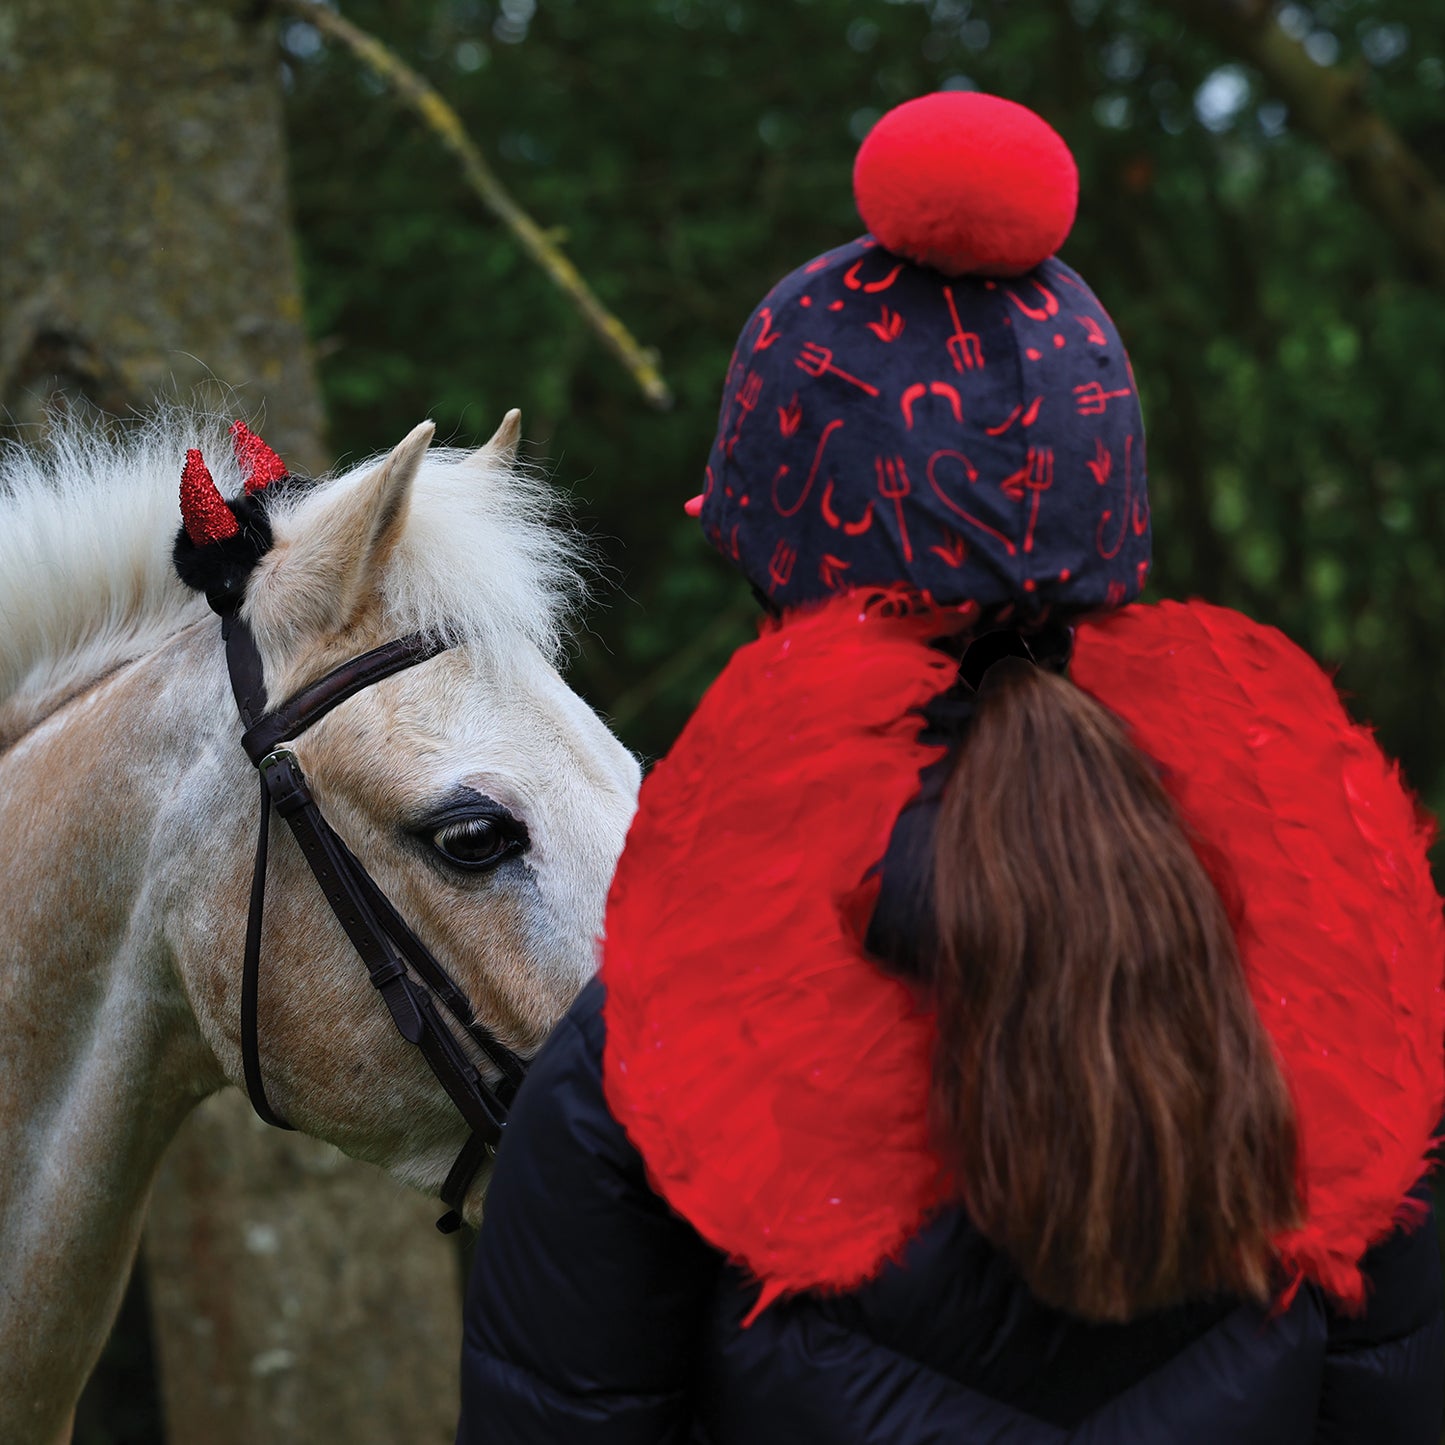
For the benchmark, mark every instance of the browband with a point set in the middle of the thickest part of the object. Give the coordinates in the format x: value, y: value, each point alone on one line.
x: 312, y: 703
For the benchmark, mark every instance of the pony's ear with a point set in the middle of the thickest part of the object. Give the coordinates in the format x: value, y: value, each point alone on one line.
x: 503, y: 445
x: 331, y: 549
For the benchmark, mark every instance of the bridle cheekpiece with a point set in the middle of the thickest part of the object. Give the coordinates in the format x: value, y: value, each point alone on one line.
x: 219, y: 544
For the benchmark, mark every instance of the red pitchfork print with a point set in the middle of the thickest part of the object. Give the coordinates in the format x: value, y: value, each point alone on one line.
x: 818, y: 361
x: 748, y: 394
x: 965, y: 350
x: 1093, y: 400
x: 780, y: 566
x: 1102, y: 464
x: 894, y: 486
x: 1037, y: 476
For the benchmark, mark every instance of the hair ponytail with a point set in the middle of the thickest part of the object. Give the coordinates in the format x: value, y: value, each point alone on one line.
x: 1102, y: 1087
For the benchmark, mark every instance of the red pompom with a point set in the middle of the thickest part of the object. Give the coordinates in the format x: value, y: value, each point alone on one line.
x: 203, y: 508
x: 967, y: 183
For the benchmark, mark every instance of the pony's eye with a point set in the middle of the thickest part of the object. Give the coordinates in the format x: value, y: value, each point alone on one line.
x: 475, y: 842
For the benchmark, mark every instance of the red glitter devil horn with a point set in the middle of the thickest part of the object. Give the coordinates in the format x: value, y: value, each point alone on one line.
x: 203, y: 509
x: 259, y: 464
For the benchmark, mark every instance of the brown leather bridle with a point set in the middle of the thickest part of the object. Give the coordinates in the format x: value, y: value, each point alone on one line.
x: 415, y: 987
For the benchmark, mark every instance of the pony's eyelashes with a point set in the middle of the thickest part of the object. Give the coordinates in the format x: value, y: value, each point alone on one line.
x: 472, y: 833
x: 477, y: 843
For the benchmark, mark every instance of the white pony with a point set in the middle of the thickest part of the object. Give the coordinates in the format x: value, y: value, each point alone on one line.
x: 127, y: 817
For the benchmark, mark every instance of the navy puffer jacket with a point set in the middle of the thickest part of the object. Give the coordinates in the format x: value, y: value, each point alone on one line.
x: 597, y: 1316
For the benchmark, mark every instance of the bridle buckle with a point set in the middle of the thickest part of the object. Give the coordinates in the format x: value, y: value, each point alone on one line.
x: 276, y: 757
x: 284, y: 781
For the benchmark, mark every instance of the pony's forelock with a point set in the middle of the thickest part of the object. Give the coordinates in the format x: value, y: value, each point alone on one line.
x: 487, y: 555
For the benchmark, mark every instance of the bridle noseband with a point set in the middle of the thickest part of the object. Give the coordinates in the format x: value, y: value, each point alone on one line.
x: 416, y: 989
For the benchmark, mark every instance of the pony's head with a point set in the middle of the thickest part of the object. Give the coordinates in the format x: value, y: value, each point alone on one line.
x: 487, y: 800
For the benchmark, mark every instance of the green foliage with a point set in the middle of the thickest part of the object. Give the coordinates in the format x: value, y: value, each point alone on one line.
x: 692, y: 151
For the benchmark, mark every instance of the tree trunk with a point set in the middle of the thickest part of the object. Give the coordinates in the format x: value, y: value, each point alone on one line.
x: 299, y: 1296
x: 145, y: 250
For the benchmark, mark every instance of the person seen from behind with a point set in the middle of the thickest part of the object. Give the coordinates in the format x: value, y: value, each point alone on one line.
x: 1021, y: 1015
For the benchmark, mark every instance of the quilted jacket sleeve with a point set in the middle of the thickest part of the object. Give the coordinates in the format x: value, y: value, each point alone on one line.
x: 1384, y: 1377
x: 587, y: 1292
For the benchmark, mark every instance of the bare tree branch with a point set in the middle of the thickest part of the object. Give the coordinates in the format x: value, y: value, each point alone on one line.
x: 446, y: 125
x: 1331, y: 105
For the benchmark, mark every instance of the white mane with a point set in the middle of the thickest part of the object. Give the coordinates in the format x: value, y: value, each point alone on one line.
x: 87, y: 521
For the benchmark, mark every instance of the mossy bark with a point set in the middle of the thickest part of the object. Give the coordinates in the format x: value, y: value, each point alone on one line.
x: 145, y: 251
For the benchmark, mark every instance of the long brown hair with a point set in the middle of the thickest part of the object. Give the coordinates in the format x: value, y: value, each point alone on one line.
x: 1102, y: 1087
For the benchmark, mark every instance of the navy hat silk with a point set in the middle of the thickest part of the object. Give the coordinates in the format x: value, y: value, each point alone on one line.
x: 979, y: 439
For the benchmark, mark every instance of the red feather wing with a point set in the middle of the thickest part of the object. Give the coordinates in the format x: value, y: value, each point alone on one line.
x: 1341, y: 933
x: 774, y: 1081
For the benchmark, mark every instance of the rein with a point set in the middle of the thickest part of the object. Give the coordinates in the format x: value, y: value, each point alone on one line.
x: 418, y: 992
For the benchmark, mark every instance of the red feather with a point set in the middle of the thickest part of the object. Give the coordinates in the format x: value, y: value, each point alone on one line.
x: 775, y: 1081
